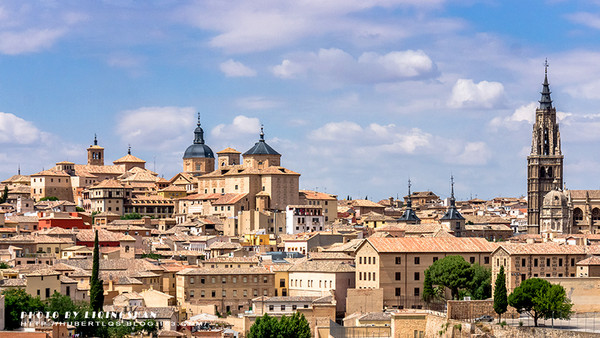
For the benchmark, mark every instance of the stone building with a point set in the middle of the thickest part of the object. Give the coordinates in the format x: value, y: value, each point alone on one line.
x: 545, y: 162
x: 397, y: 265
x: 198, y: 158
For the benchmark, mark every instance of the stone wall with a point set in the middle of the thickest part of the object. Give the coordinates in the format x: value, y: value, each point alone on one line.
x: 584, y: 292
x: 538, y: 332
x: 470, y: 309
x: 364, y: 300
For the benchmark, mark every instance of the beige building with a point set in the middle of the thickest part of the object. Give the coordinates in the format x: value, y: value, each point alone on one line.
x: 229, y: 290
x: 198, y: 158
x: 526, y: 260
x: 109, y: 196
x: 317, y: 278
x: 327, y: 201
x: 397, y: 265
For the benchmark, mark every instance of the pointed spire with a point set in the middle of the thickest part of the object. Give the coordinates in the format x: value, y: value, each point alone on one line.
x: 409, y: 200
x: 409, y: 215
x: 95, y: 139
x: 262, y: 133
x: 129, y: 149
x: 199, y: 133
x: 452, y: 186
x: 546, y: 101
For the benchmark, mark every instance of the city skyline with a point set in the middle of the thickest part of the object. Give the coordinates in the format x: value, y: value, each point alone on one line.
x: 357, y: 96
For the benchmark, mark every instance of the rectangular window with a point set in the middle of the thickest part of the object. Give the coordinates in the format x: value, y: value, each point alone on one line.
x: 398, y: 260
x: 271, y: 307
x: 547, y: 261
x: 572, y: 261
x: 191, y: 280
x: 472, y: 260
x: 486, y: 260
x: 417, y: 276
x: 265, y: 279
x: 223, y: 280
x: 282, y: 307
x: 282, y: 283
x: 523, y: 262
x: 202, y: 280
x: 435, y: 259
x: 224, y: 293
x: 213, y: 293
x: 417, y: 260
x: 398, y: 275
x: 398, y: 292
x: 191, y: 293
x: 535, y: 262
x: 417, y: 292
x: 560, y: 262
x: 201, y: 293
x: 255, y: 292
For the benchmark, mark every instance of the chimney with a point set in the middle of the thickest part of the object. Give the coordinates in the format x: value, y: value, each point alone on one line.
x: 147, y: 221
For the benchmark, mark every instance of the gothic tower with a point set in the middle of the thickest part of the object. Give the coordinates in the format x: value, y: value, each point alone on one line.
x: 545, y: 163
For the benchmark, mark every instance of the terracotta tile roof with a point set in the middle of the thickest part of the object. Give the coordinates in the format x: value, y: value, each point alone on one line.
x: 129, y: 159
x: 88, y: 235
x: 322, y: 266
x: 43, y: 272
x: 108, y: 183
x: 36, y: 239
x: 51, y: 173
x: 13, y: 282
x: 315, y: 195
x: 593, y: 260
x: 225, y: 271
x: 548, y: 248
x: 98, y: 169
x: 366, y: 203
x: 224, y: 245
x: 236, y: 170
x: 229, y: 199
x: 430, y: 244
x: 228, y: 150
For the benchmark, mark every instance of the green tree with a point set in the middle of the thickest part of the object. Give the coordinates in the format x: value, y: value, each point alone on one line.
x: 553, y: 303
x: 49, y: 198
x: 4, y: 265
x: 61, y: 304
x: 480, y: 286
x: 428, y: 292
x: 452, y: 272
x: 152, y: 256
x: 500, y: 298
x: 4, y: 195
x: 96, y: 285
x: 525, y: 297
x: 266, y: 326
x: 133, y: 215
x: 79, y: 209
x: 17, y: 301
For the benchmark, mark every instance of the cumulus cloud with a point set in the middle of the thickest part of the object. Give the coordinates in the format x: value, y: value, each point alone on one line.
x: 256, y: 103
x: 336, y: 64
x: 233, y: 68
x: 475, y: 153
x: 240, y: 126
x: 252, y: 26
x: 525, y: 113
x: 28, y: 41
x: 15, y: 130
x: 156, y: 127
x: 591, y: 20
x: 484, y: 94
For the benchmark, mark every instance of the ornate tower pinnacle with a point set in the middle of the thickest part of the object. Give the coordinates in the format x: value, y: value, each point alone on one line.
x: 199, y: 133
x: 262, y: 133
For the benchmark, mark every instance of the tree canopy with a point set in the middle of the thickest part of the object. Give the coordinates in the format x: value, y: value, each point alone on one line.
x: 17, y: 301
x: 540, y: 299
x: 133, y: 215
x: 500, y: 298
x: 287, y: 327
x: 452, y: 272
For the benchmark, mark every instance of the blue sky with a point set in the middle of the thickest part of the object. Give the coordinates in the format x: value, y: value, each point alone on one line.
x: 358, y: 95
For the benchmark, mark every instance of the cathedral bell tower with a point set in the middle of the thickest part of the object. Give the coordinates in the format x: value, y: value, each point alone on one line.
x: 545, y: 163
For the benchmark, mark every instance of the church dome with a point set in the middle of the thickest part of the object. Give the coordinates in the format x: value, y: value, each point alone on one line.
x: 198, y: 149
x: 555, y: 198
x: 261, y: 147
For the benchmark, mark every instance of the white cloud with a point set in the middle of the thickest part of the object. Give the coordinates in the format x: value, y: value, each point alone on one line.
x: 584, y: 18
x: 484, y: 94
x: 252, y: 26
x: 15, y: 130
x: 525, y: 113
x: 28, y: 41
x: 337, y: 131
x: 124, y: 61
x: 256, y: 103
x: 240, y: 126
x: 338, y: 65
x: 475, y: 153
x: 233, y: 68
x: 156, y: 127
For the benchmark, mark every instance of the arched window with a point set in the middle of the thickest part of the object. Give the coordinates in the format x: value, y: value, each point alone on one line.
x: 549, y: 171
x: 546, y: 142
x: 542, y: 172
x: 595, y: 214
x: 578, y: 214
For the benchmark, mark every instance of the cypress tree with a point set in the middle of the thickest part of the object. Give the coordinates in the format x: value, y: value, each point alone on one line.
x: 4, y: 195
x: 500, y: 298
x: 96, y: 285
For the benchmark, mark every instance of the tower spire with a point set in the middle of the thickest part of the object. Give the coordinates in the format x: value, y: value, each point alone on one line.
x: 129, y: 149
x: 199, y: 133
x: 409, y: 200
x: 95, y: 139
x: 262, y: 133
x: 546, y: 101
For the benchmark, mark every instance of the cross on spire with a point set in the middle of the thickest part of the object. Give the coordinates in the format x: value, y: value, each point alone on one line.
x: 546, y: 66
x: 198, y: 119
x: 409, y: 187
